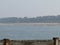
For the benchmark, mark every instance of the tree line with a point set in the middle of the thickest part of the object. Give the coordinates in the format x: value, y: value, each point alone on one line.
x: 39, y: 19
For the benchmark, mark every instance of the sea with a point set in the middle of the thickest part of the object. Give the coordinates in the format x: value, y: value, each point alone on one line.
x: 29, y: 32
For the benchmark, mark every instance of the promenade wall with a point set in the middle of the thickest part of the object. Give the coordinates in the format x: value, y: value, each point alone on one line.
x: 54, y: 41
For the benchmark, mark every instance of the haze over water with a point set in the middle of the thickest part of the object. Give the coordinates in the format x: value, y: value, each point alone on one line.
x: 29, y: 32
x: 29, y: 8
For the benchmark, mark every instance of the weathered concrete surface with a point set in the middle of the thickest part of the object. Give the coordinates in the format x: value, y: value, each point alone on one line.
x: 32, y: 42
x: 54, y: 41
x: 1, y: 42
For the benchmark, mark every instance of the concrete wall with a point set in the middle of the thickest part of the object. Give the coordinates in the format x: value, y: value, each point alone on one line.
x: 54, y: 41
x: 32, y: 42
x: 1, y: 42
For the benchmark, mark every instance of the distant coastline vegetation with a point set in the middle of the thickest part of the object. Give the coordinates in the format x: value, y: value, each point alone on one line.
x: 39, y: 19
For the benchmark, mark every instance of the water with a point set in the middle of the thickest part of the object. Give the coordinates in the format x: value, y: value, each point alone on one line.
x: 29, y: 32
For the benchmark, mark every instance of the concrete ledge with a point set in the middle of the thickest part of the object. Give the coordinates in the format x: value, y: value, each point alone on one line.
x: 55, y: 41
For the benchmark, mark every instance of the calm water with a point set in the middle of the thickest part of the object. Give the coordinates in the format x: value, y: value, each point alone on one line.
x: 29, y: 32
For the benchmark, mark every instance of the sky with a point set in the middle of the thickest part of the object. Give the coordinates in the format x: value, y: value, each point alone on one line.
x: 29, y: 8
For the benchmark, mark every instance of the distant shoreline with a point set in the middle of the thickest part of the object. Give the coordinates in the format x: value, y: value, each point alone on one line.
x: 35, y: 24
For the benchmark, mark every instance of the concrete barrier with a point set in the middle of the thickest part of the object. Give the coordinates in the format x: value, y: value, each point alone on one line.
x: 6, y: 42
x: 54, y: 41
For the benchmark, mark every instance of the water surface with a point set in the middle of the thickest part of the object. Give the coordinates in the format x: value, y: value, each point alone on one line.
x: 29, y: 32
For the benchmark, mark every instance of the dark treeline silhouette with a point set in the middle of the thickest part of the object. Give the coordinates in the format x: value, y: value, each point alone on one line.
x: 40, y: 19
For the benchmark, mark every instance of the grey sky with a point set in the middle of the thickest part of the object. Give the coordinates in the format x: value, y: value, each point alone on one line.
x: 29, y: 8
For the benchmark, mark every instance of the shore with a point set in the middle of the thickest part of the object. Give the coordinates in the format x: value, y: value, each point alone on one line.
x: 35, y: 24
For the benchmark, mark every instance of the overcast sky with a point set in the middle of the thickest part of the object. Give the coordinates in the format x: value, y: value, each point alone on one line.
x: 29, y: 8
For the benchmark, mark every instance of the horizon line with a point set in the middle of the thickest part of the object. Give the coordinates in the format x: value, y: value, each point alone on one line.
x: 28, y: 16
